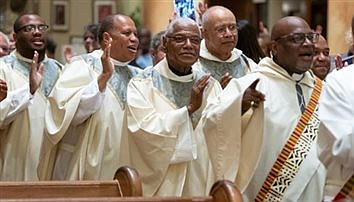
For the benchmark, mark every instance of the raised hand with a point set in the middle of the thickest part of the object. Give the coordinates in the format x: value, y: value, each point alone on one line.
x: 252, y: 97
x: 225, y: 80
x: 202, y: 7
x: 197, y: 93
x: 338, y: 62
x: 35, y: 75
x: 3, y: 90
x: 107, y: 65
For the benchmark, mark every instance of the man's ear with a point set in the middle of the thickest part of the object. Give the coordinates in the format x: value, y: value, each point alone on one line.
x: 164, y: 44
x: 204, y: 32
x: 106, y: 36
x: 14, y: 35
x: 273, y: 49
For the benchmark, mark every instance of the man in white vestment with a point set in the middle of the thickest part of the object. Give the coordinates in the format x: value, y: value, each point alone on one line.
x: 28, y: 76
x: 163, y: 111
x: 287, y: 85
x: 336, y: 134
x: 218, y: 55
x: 87, y: 107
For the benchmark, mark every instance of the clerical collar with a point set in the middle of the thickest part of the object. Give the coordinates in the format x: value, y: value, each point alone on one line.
x: 20, y: 57
x: 204, y: 52
x: 118, y: 63
x: 297, y: 77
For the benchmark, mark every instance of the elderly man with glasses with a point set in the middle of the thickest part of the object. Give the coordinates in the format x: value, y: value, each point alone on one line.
x: 274, y: 157
x: 164, y: 107
x: 218, y: 55
x: 30, y: 77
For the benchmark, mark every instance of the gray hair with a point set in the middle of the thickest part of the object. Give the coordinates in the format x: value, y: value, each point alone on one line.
x: 183, y: 20
x: 156, y: 40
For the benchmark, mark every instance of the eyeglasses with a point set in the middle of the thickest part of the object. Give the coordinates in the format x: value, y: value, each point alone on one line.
x: 299, y: 38
x: 324, y: 51
x: 221, y: 30
x: 32, y: 28
x: 182, y: 39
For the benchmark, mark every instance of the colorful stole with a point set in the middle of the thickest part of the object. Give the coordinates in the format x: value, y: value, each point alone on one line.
x: 294, y: 152
x: 346, y: 191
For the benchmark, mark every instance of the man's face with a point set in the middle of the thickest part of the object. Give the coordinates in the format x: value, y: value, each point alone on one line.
x: 182, y: 46
x: 144, y: 39
x: 220, y: 33
x: 90, y: 42
x: 124, y: 39
x: 294, y: 50
x: 321, y: 60
x: 31, y: 36
x: 158, y: 54
x: 4, y: 47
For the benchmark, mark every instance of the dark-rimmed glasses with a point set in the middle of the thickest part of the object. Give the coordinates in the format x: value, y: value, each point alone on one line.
x: 299, y: 38
x: 32, y: 28
x: 182, y: 39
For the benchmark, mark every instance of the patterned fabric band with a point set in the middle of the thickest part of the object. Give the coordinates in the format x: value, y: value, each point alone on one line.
x: 294, y: 152
x: 346, y: 191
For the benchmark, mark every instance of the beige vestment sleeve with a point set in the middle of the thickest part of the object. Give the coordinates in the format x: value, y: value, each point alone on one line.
x: 155, y: 125
x: 63, y: 103
x: 233, y: 152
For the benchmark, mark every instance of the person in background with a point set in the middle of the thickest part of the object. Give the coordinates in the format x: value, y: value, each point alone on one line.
x: 4, y: 44
x: 275, y: 159
x: 30, y: 77
x: 90, y: 40
x: 90, y: 37
x: 218, y: 55
x: 339, y: 60
x: 321, y: 60
x: 87, y: 107
x: 51, y: 47
x: 144, y: 58
x: 265, y: 43
x: 156, y: 48
x: 12, y: 41
x: 247, y: 41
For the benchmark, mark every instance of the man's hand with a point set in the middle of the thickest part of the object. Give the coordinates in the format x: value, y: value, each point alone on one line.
x: 35, y: 75
x: 197, y: 94
x: 225, y: 80
x: 202, y: 7
x: 3, y: 90
x: 252, y: 97
x: 106, y: 64
x: 338, y: 62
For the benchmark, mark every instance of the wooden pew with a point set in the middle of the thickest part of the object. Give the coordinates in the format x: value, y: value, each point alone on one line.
x: 126, y: 183
x: 222, y: 191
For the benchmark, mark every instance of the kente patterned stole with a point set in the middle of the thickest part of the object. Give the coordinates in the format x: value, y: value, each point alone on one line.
x: 294, y: 152
x: 346, y: 191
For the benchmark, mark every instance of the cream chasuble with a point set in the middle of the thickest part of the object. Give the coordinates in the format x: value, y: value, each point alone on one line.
x: 21, y: 130
x: 336, y: 135
x: 237, y: 65
x: 88, y: 150
x: 264, y: 136
x: 163, y: 138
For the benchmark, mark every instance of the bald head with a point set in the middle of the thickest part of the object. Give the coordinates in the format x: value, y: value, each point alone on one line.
x: 287, y: 25
x: 214, y: 14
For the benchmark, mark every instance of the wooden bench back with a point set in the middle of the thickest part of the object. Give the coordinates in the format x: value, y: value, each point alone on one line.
x: 222, y: 191
x: 126, y: 183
